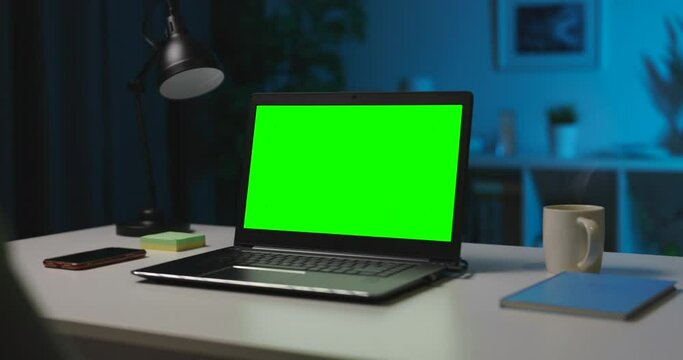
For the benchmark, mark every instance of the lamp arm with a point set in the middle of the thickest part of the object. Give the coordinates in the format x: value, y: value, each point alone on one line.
x: 151, y: 219
x: 137, y: 88
x: 172, y: 6
x: 151, y: 6
x: 138, y: 79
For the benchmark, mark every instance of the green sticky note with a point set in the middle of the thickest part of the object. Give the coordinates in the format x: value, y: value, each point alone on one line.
x: 172, y: 241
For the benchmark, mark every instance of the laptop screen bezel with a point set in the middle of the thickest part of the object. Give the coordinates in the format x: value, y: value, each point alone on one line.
x: 434, y: 250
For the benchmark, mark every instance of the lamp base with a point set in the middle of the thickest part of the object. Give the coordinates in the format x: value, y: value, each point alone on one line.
x: 151, y: 222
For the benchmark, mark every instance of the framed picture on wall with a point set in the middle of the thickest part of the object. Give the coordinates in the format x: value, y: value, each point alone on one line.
x: 547, y: 34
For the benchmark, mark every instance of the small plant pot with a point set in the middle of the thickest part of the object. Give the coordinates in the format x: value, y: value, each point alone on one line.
x: 563, y: 140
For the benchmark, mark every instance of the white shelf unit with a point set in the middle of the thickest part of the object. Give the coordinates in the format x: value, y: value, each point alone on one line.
x: 626, y: 234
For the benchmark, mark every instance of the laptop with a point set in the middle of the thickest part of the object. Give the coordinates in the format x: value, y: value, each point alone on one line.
x: 355, y: 196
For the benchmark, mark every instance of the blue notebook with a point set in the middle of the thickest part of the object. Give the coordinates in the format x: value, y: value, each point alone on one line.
x: 603, y: 295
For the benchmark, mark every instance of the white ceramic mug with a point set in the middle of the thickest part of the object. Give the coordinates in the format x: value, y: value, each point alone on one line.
x: 573, y: 237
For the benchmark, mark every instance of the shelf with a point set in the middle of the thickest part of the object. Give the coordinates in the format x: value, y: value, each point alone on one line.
x: 664, y: 164
x: 629, y: 189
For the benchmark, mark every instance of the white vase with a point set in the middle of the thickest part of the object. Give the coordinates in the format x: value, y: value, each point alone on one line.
x: 563, y: 140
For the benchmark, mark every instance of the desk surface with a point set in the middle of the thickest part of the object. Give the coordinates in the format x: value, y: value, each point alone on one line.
x: 456, y: 319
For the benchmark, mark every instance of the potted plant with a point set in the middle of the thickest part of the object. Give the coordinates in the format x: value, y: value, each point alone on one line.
x: 563, y: 131
x: 271, y: 46
x: 666, y: 86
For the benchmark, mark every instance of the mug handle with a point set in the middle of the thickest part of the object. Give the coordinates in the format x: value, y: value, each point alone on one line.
x: 594, y: 245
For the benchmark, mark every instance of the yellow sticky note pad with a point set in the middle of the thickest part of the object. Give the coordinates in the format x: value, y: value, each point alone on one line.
x: 172, y: 241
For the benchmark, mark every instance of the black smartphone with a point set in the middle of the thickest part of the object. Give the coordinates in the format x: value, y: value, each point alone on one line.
x: 94, y: 258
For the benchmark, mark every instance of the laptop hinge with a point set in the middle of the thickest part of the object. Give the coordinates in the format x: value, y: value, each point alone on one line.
x: 332, y: 253
x: 457, y: 265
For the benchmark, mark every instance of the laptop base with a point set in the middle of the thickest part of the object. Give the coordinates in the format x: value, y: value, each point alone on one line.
x: 212, y: 269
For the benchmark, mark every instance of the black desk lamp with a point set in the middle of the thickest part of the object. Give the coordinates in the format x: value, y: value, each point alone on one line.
x: 187, y: 69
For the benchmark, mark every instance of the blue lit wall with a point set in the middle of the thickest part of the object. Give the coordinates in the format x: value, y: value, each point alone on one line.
x: 452, y: 42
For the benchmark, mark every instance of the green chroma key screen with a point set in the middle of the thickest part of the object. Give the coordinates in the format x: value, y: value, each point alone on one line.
x: 367, y: 170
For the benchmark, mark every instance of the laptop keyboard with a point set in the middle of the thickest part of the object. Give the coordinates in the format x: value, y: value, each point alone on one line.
x: 337, y: 265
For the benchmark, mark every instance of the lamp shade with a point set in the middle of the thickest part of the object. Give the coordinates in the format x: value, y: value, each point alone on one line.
x: 187, y: 68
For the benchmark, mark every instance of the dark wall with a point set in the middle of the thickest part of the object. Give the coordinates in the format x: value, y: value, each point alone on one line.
x: 70, y: 154
x: 70, y: 151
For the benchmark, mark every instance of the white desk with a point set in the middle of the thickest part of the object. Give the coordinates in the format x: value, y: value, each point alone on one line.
x: 457, y: 319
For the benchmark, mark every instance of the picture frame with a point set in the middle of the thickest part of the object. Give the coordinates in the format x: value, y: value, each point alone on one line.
x: 547, y: 34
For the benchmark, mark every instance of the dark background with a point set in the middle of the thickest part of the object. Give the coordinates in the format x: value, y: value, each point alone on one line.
x: 70, y: 155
